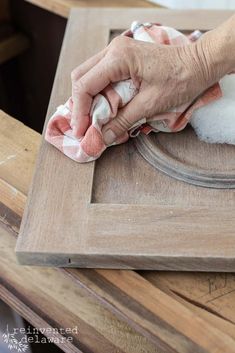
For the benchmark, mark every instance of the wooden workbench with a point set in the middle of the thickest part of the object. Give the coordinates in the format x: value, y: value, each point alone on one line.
x: 115, y: 311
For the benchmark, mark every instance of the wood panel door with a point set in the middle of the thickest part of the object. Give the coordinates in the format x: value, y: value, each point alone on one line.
x: 120, y: 211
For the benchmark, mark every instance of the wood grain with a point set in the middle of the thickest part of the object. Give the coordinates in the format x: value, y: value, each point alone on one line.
x: 184, y: 157
x: 53, y: 300
x: 63, y: 7
x: 127, y: 294
x: 134, y: 299
x: 41, y: 303
x: 18, y: 145
x: 183, y: 234
x: 114, y: 290
x: 214, y: 292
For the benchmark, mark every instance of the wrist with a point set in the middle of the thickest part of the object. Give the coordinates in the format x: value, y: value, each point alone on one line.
x: 216, y: 52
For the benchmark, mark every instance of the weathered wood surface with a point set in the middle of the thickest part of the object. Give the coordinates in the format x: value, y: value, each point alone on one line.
x: 163, y: 223
x: 53, y: 300
x: 59, y: 297
x: 63, y: 7
x: 184, y: 157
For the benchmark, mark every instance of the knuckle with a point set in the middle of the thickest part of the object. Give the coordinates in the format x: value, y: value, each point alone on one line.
x: 120, y: 45
x: 119, y: 55
x: 123, y: 123
x: 117, y: 41
x: 76, y: 74
x: 78, y: 86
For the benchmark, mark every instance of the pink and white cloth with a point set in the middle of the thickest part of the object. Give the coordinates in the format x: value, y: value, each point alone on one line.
x: 106, y: 104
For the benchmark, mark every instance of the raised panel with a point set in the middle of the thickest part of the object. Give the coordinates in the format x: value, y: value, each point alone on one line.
x: 120, y: 211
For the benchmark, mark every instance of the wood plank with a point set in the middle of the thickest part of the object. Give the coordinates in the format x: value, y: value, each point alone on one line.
x: 12, y: 198
x: 214, y: 292
x: 134, y: 299
x: 97, y: 284
x: 19, y: 147
x: 107, y: 285
x: 63, y: 7
x: 104, y: 285
x: 17, y: 283
x: 53, y: 300
x: 177, y: 226
x: 26, y: 312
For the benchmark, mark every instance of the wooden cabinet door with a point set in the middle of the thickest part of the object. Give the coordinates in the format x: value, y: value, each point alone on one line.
x: 122, y: 211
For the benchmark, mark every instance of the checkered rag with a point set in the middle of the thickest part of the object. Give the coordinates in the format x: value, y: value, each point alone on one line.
x: 106, y: 104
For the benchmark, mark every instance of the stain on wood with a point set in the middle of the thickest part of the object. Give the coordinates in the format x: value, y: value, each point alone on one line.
x: 54, y: 300
x: 137, y: 217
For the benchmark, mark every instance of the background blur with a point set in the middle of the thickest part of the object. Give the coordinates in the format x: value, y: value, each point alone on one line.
x: 197, y: 4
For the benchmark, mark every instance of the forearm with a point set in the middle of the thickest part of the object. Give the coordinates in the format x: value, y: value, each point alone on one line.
x: 216, y: 51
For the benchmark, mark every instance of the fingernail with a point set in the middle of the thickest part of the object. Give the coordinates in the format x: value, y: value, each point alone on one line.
x: 109, y: 137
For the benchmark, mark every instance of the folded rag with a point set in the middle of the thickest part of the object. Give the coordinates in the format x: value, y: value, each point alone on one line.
x: 106, y: 104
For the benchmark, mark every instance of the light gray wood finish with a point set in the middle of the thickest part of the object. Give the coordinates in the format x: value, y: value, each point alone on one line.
x: 184, y: 157
x: 120, y: 212
x: 70, y: 297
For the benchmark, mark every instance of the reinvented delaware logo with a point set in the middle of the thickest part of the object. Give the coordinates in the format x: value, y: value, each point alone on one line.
x: 14, y: 343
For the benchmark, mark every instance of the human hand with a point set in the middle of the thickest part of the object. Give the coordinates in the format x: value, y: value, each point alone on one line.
x: 166, y: 76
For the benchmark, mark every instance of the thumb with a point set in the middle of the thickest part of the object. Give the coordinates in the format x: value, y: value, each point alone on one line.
x: 125, y: 119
